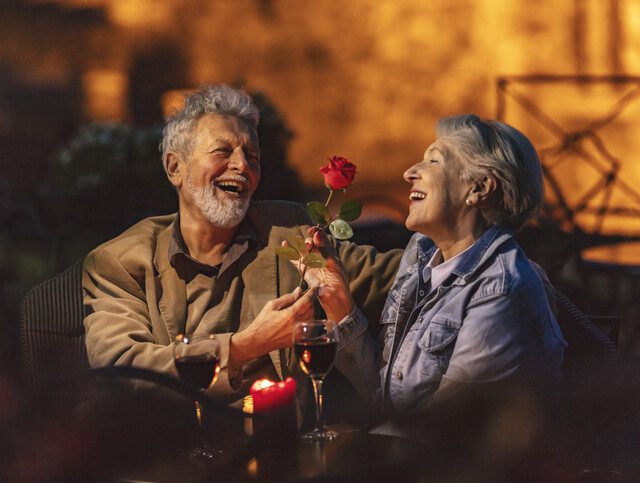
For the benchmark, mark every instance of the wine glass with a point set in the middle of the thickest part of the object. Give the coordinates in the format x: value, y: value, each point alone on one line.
x: 315, y: 345
x: 197, y: 360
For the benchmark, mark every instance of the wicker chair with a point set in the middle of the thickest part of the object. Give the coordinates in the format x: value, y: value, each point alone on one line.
x: 51, y: 330
x: 590, y: 350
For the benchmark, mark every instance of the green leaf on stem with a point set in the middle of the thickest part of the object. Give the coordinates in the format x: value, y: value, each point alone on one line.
x: 318, y: 212
x: 287, y: 253
x: 340, y: 229
x: 297, y: 242
x: 314, y: 260
x: 350, y: 210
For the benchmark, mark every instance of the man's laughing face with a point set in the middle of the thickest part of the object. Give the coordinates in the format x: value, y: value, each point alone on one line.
x: 222, y: 170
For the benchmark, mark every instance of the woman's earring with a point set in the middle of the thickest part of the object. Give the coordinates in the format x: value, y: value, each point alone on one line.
x: 468, y: 202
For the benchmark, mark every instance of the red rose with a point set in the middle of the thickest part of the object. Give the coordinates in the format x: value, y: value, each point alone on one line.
x: 339, y: 173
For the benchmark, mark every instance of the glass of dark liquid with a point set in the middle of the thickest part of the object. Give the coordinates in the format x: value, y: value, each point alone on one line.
x: 315, y: 345
x: 197, y: 360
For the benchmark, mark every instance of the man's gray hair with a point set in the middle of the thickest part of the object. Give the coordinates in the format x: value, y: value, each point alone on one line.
x: 219, y: 99
x: 493, y: 148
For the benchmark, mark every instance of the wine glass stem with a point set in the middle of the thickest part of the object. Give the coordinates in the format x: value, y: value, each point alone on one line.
x: 198, y: 414
x: 199, y: 435
x: 317, y: 390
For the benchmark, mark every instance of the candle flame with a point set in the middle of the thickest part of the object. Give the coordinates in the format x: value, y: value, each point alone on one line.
x: 262, y: 384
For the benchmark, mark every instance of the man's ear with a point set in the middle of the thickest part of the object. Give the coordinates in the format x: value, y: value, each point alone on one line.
x: 174, y: 167
x: 482, y: 189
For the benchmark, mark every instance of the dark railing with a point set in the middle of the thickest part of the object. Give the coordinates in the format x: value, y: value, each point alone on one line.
x: 569, y: 146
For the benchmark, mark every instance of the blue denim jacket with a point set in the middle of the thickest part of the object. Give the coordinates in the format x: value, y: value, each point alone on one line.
x: 489, y: 320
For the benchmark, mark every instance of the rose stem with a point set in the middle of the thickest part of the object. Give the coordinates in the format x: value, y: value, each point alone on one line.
x: 304, y: 268
x: 326, y: 204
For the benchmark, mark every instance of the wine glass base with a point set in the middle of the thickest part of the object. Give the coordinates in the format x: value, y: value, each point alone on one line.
x: 204, y: 453
x: 320, y: 435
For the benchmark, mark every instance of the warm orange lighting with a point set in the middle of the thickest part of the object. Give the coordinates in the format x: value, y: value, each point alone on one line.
x: 105, y: 94
x: 631, y: 45
x: 247, y: 404
x: 261, y: 384
x: 252, y: 467
x: 597, y: 31
x: 173, y: 100
x: 625, y: 254
x: 584, y: 131
x: 375, y: 93
x: 140, y: 13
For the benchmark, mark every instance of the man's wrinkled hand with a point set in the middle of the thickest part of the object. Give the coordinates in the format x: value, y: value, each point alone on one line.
x: 272, y: 328
x: 331, y: 282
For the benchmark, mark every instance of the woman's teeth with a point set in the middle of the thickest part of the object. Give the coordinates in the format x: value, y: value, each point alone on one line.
x: 415, y: 196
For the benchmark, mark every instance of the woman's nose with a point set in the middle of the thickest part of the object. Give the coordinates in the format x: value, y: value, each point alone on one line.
x: 411, y: 173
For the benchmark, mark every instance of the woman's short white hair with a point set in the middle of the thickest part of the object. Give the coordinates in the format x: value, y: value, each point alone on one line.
x: 219, y: 99
x: 492, y: 148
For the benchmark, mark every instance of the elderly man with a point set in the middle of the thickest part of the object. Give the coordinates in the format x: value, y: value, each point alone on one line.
x: 211, y: 268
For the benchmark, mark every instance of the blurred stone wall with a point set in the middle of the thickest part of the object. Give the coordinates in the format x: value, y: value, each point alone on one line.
x: 365, y: 79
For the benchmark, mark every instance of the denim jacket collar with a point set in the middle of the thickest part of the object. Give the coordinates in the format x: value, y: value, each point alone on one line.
x: 481, y: 250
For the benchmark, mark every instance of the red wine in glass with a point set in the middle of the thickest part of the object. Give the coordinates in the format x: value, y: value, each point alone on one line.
x: 197, y: 361
x: 315, y: 345
x: 316, y: 357
x: 200, y: 370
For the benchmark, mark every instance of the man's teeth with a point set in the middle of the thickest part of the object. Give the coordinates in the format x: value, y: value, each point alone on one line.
x: 232, y: 186
x: 415, y: 195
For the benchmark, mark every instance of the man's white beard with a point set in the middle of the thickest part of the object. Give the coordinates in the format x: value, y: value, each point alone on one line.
x: 221, y: 213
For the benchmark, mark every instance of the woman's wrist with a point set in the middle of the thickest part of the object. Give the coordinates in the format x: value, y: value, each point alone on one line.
x: 340, y: 309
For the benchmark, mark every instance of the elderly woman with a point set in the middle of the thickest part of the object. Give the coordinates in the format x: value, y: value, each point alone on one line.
x: 467, y: 306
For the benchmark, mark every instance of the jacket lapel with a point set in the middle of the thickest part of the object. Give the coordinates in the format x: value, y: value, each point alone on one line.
x: 269, y: 265
x: 172, y: 290
x: 269, y: 277
x: 266, y: 268
x: 288, y: 279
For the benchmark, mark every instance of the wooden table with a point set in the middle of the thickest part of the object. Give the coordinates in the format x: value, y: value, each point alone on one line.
x: 97, y: 429
x: 98, y: 426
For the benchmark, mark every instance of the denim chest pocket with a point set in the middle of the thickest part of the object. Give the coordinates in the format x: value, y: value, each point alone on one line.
x: 436, y: 345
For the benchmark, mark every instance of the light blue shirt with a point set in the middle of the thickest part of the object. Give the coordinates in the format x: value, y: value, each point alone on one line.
x: 437, y: 270
x: 487, y: 320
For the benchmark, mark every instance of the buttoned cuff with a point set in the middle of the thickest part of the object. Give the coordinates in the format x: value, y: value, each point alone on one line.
x: 351, y: 327
x: 229, y: 379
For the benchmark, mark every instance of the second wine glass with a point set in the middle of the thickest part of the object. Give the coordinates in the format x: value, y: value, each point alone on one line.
x: 315, y: 345
x: 197, y: 360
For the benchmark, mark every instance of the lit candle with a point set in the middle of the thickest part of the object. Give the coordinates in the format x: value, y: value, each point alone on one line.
x: 269, y: 396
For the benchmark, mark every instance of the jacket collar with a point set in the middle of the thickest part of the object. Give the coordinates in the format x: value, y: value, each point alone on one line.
x: 245, y: 232
x: 481, y: 250
x: 161, y: 261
